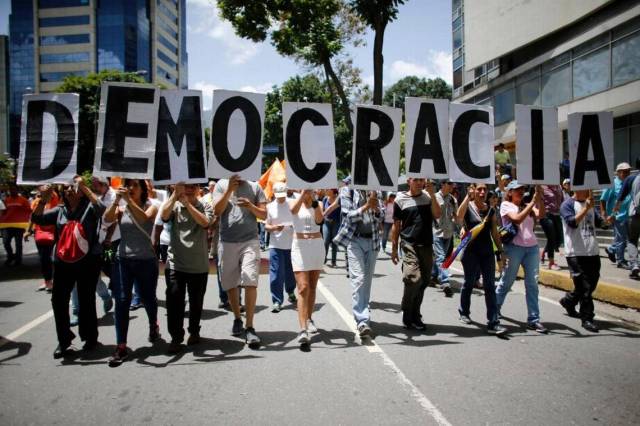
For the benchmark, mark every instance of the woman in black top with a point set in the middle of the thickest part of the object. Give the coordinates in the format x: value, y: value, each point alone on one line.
x: 478, y: 256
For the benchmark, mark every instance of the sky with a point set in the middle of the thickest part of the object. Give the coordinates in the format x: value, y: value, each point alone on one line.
x: 417, y: 43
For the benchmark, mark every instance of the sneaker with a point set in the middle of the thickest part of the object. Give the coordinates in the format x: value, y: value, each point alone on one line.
x: 107, y: 305
x: 292, y: 298
x: 465, y: 319
x: 623, y: 264
x: 224, y: 305
x: 311, y: 326
x: 303, y: 338
x: 276, y: 308
x: 135, y: 306
x: 553, y: 266
x: 175, y: 347
x: 154, y: 333
x: 42, y: 287
x: 119, y: 356
x: 364, y: 330
x: 90, y: 346
x: 611, y: 255
x: 237, y: 328
x: 571, y: 310
x: 193, y: 339
x: 252, y: 338
x: 497, y: 330
x: 73, y: 320
x: 419, y: 325
x: 63, y: 352
x: 448, y: 291
x: 590, y: 326
x: 536, y: 326
x: 635, y: 272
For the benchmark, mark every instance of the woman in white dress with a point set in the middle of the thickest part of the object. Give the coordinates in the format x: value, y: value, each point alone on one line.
x: 307, y: 257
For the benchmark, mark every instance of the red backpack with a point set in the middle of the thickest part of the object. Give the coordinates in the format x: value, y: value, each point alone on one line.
x: 73, y: 243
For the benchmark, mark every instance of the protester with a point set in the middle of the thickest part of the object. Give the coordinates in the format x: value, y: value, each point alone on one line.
x: 239, y: 203
x: 345, y: 195
x: 187, y: 262
x: 136, y: 260
x: 522, y: 250
x: 306, y: 257
x: 579, y: 220
x: 279, y: 224
x: 566, y: 190
x: 620, y: 220
x: 501, y: 190
x: 15, y: 219
x: 551, y: 224
x: 360, y: 235
x: 332, y: 212
x: 478, y: 258
x: 503, y: 159
x: 44, y: 237
x: 77, y: 222
x: 413, y: 215
x: 443, y: 230
x: 388, y: 220
x: 631, y: 186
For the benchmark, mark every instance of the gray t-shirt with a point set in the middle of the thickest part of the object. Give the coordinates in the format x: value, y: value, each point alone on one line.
x: 238, y: 224
x: 445, y: 226
x: 188, y: 248
x: 134, y: 244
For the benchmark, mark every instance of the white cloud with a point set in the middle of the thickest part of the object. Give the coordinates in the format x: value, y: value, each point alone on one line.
x: 368, y: 80
x: 207, y: 93
x: 204, y: 19
x: 438, y: 64
x: 260, y: 88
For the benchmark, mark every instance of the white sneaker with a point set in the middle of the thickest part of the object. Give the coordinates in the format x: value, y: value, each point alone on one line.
x: 311, y: 327
x: 303, y: 338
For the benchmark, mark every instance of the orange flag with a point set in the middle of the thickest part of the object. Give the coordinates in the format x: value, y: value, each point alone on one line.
x: 275, y: 173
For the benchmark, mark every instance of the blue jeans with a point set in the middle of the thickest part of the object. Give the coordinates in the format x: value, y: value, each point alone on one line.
x: 386, y: 229
x: 362, y: 257
x: 528, y: 258
x: 280, y: 274
x: 440, y: 250
x: 101, y: 290
x: 475, y: 264
x: 125, y: 272
x: 619, y: 239
x: 329, y: 231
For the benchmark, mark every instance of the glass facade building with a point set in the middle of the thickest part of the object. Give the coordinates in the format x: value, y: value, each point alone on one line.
x: 57, y: 38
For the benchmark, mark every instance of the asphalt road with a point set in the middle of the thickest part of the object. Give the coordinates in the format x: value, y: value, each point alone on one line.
x: 450, y: 374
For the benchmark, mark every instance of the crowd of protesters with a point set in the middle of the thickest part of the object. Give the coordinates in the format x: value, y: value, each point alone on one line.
x: 90, y: 232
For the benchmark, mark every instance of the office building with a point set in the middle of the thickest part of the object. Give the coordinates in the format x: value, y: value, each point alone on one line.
x: 50, y: 39
x: 4, y: 94
x: 577, y: 55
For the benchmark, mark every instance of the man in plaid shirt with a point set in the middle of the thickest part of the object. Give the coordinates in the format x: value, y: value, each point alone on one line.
x: 360, y: 234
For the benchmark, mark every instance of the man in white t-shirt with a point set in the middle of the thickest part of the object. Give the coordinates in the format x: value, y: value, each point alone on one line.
x: 280, y: 224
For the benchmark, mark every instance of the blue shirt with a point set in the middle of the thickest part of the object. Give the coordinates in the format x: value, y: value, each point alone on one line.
x: 611, y: 195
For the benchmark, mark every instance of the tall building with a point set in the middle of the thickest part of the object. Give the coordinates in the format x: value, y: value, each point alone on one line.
x: 50, y: 39
x: 577, y: 55
x: 4, y: 94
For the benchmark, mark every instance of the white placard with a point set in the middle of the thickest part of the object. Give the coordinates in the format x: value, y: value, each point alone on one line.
x: 48, y: 138
x: 538, y: 145
x: 591, y: 149
x: 471, y: 143
x: 430, y: 119
x: 236, y: 134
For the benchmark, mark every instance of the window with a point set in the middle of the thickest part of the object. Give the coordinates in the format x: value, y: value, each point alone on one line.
x: 457, y: 38
x: 625, y: 59
x: 591, y: 73
x: 64, y: 20
x: 556, y: 86
x: 168, y: 29
x: 167, y: 60
x: 64, y: 39
x: 166, y: 43
x: 165, y: 75
x: 168, y: 12
x: 54, y: 58
x: 45, y: 4
x: 503, y: 106
x: 457, y: 63
x: 59, y: 76
x: 457, y: 78
x: 528, y: 92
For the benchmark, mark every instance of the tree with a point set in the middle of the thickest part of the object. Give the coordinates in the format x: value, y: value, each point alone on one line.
x: 377, y: 14
x: 414, y: 86
x: 310, y: 31
x: 89, y: 90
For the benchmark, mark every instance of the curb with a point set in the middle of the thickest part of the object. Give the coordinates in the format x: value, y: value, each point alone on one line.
x: 605, y: 292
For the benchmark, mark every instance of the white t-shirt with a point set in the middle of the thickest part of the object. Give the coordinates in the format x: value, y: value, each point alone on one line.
x: 280, y: 214
x: 165, y: 235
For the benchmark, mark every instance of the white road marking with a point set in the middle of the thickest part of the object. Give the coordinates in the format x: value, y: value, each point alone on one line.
x: 419, y: 397
x: 22, y: 330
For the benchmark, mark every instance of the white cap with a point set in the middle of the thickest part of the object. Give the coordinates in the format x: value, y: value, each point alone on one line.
x: 566, y: 181
x: 280, y: 189
x: 623, y: 166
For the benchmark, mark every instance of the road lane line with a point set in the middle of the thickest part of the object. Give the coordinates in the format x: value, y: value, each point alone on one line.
x: 22, y: 330
x: 417, y: 395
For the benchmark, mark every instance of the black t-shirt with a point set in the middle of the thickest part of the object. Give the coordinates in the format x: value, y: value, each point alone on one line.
x: 416, y: 218
x: 482, y: 243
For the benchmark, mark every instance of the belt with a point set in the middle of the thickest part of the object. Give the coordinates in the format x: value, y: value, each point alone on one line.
x: 359, y: 235
x: 308, y: 235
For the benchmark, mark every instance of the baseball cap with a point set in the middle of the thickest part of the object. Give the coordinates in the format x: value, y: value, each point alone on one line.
x: 514, y: 185
x: 280, y: 190
x: 505, y: 177
x: 623, y: 166
x: 566, y: 181
x: 347, y: 180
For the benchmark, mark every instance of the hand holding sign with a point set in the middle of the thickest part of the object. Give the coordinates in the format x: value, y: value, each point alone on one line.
x: 244, y: 202
x: 123, y: 194
x: 234, y: 182
x: 429, y: 188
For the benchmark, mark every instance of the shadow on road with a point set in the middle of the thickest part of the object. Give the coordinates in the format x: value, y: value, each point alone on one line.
x: 21, y: 348
x: 8, y: 303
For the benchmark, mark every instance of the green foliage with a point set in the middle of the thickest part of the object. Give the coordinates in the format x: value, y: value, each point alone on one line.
x: 414, y: 86
x: 7, y: 169
x: 88, y: 88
